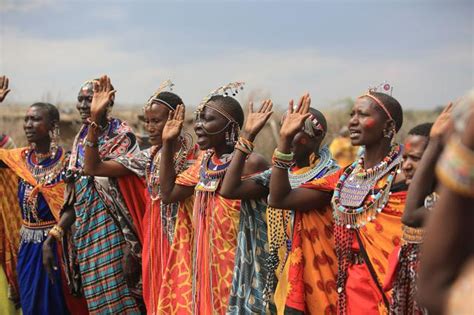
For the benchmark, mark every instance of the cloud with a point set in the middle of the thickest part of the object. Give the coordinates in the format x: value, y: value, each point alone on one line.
x: 53, y: 69
x: 23, y: 6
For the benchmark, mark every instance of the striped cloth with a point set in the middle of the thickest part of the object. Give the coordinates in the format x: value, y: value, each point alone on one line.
x: 100, y: 250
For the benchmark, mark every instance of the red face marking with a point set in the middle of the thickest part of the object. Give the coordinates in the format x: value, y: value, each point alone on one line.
x: 408, y: 145
x: 303, y: 141
x: 370, y: 123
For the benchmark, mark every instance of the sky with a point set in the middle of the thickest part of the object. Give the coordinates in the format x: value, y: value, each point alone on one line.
x: 281, y: 49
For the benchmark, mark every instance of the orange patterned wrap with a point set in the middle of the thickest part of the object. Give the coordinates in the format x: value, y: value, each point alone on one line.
x: 379, y: 237
x: 215, y: 221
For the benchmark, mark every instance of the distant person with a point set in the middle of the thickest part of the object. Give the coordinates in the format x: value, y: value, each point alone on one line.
x: 342, y: 149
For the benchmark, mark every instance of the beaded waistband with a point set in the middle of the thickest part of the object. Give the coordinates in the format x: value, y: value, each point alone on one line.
x: 39, y: 225
x: 35, y: 234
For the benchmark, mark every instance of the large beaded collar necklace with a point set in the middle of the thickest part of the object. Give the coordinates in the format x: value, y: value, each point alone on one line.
x: 352, y: 204
x: 325, y: 161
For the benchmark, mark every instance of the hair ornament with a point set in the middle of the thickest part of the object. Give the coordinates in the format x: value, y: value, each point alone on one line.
x: 225, y: 90
x: 384, y: 88
x: 88, y: 86
x: 164, y: 86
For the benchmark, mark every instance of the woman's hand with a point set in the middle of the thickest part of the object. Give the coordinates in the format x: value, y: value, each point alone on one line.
x: 4, y: 90
x: 48, y: 258
x: 104, y: 94
x: 174, y: 124
x: 443, y: 123
x: 295, y: 118
x: 256, y: 120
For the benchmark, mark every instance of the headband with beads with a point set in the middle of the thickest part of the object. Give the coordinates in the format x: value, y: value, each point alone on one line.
x: 231, y: 88
x: 154, y: 98
x: 385, y: 88
x: 88, y: 86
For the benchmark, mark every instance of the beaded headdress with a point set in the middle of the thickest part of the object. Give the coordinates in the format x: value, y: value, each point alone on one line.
x: 165, y: 85
x: 225, y: 90
x: 310, y: 124
x: 88, y: 87
x: 383, y: 87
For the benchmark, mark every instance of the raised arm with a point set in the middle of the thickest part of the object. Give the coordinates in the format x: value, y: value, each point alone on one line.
x: 233, y: 187
x: 281, y: 194
x: 171, y: 192
x: 424, y: 179
x: 93, y: 165
x: 449, y: 238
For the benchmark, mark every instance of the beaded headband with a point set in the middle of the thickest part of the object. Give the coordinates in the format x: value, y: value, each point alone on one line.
x: 154, y: 98
x: 224, y: 90
x: 88, y: 86
x: 385, y: 88
x: 310, y: 124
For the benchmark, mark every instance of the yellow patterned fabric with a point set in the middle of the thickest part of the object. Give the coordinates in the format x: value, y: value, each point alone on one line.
x: 10, y: 224
x: 15, y: 159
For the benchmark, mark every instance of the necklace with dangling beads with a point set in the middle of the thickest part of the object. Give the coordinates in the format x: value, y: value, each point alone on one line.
x: 214, y: 167
x: 45, y: 172
x: 354, y: 185
x: 325, y: 160
x: 152, y: 171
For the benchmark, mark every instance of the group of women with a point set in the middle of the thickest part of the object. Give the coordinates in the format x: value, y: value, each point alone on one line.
x: 212, y: 227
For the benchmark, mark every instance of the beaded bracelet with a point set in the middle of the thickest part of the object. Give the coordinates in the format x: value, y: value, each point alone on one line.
x: 57, y: 232
x: 412, y: 235
x: 90, y: 144
x: 455, y: 168
x: 282, y: 164
x: 283, y: 156
x: 244, y: 145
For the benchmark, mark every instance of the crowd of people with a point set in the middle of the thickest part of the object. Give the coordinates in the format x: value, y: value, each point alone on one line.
x: 212, y: 227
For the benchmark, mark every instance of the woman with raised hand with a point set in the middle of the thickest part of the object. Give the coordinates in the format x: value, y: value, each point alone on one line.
x: 423, y: 147
x: 447, y: 260
x: 286, y: 232
x: 216, y: 219
x: 164, y: 230
x: 10, y: 224
x: 39, y: 186
x: 103, y: 230
x: 367, y: 198
x: 250, y: 269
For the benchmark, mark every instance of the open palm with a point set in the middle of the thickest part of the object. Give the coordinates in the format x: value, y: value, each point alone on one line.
x: 256, y: 120
x: 103, y: 96
x: 443, y: 122
x: 4, y: 90
x: 174, y: 124
x: 295, y: 118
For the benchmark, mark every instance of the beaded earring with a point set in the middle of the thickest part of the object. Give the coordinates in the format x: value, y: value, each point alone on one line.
x: 54, y: 135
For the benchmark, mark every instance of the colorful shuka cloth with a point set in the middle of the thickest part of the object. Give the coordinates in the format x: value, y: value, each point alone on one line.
x: 403, y: 266
x: 10, y: 224
x: 166, y: 231
x: 103, y: 224
x: 359, y: 290
x: 40, y: 204
x: 250, y: 266
x: 308, y: 265
x: 216, y: 224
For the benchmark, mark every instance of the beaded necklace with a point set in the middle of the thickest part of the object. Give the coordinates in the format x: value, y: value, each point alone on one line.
x: 212, y: 171
x: 354, y: 185
x: 46, y: 172
x: 168, y: 212
x: 325, y: 161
